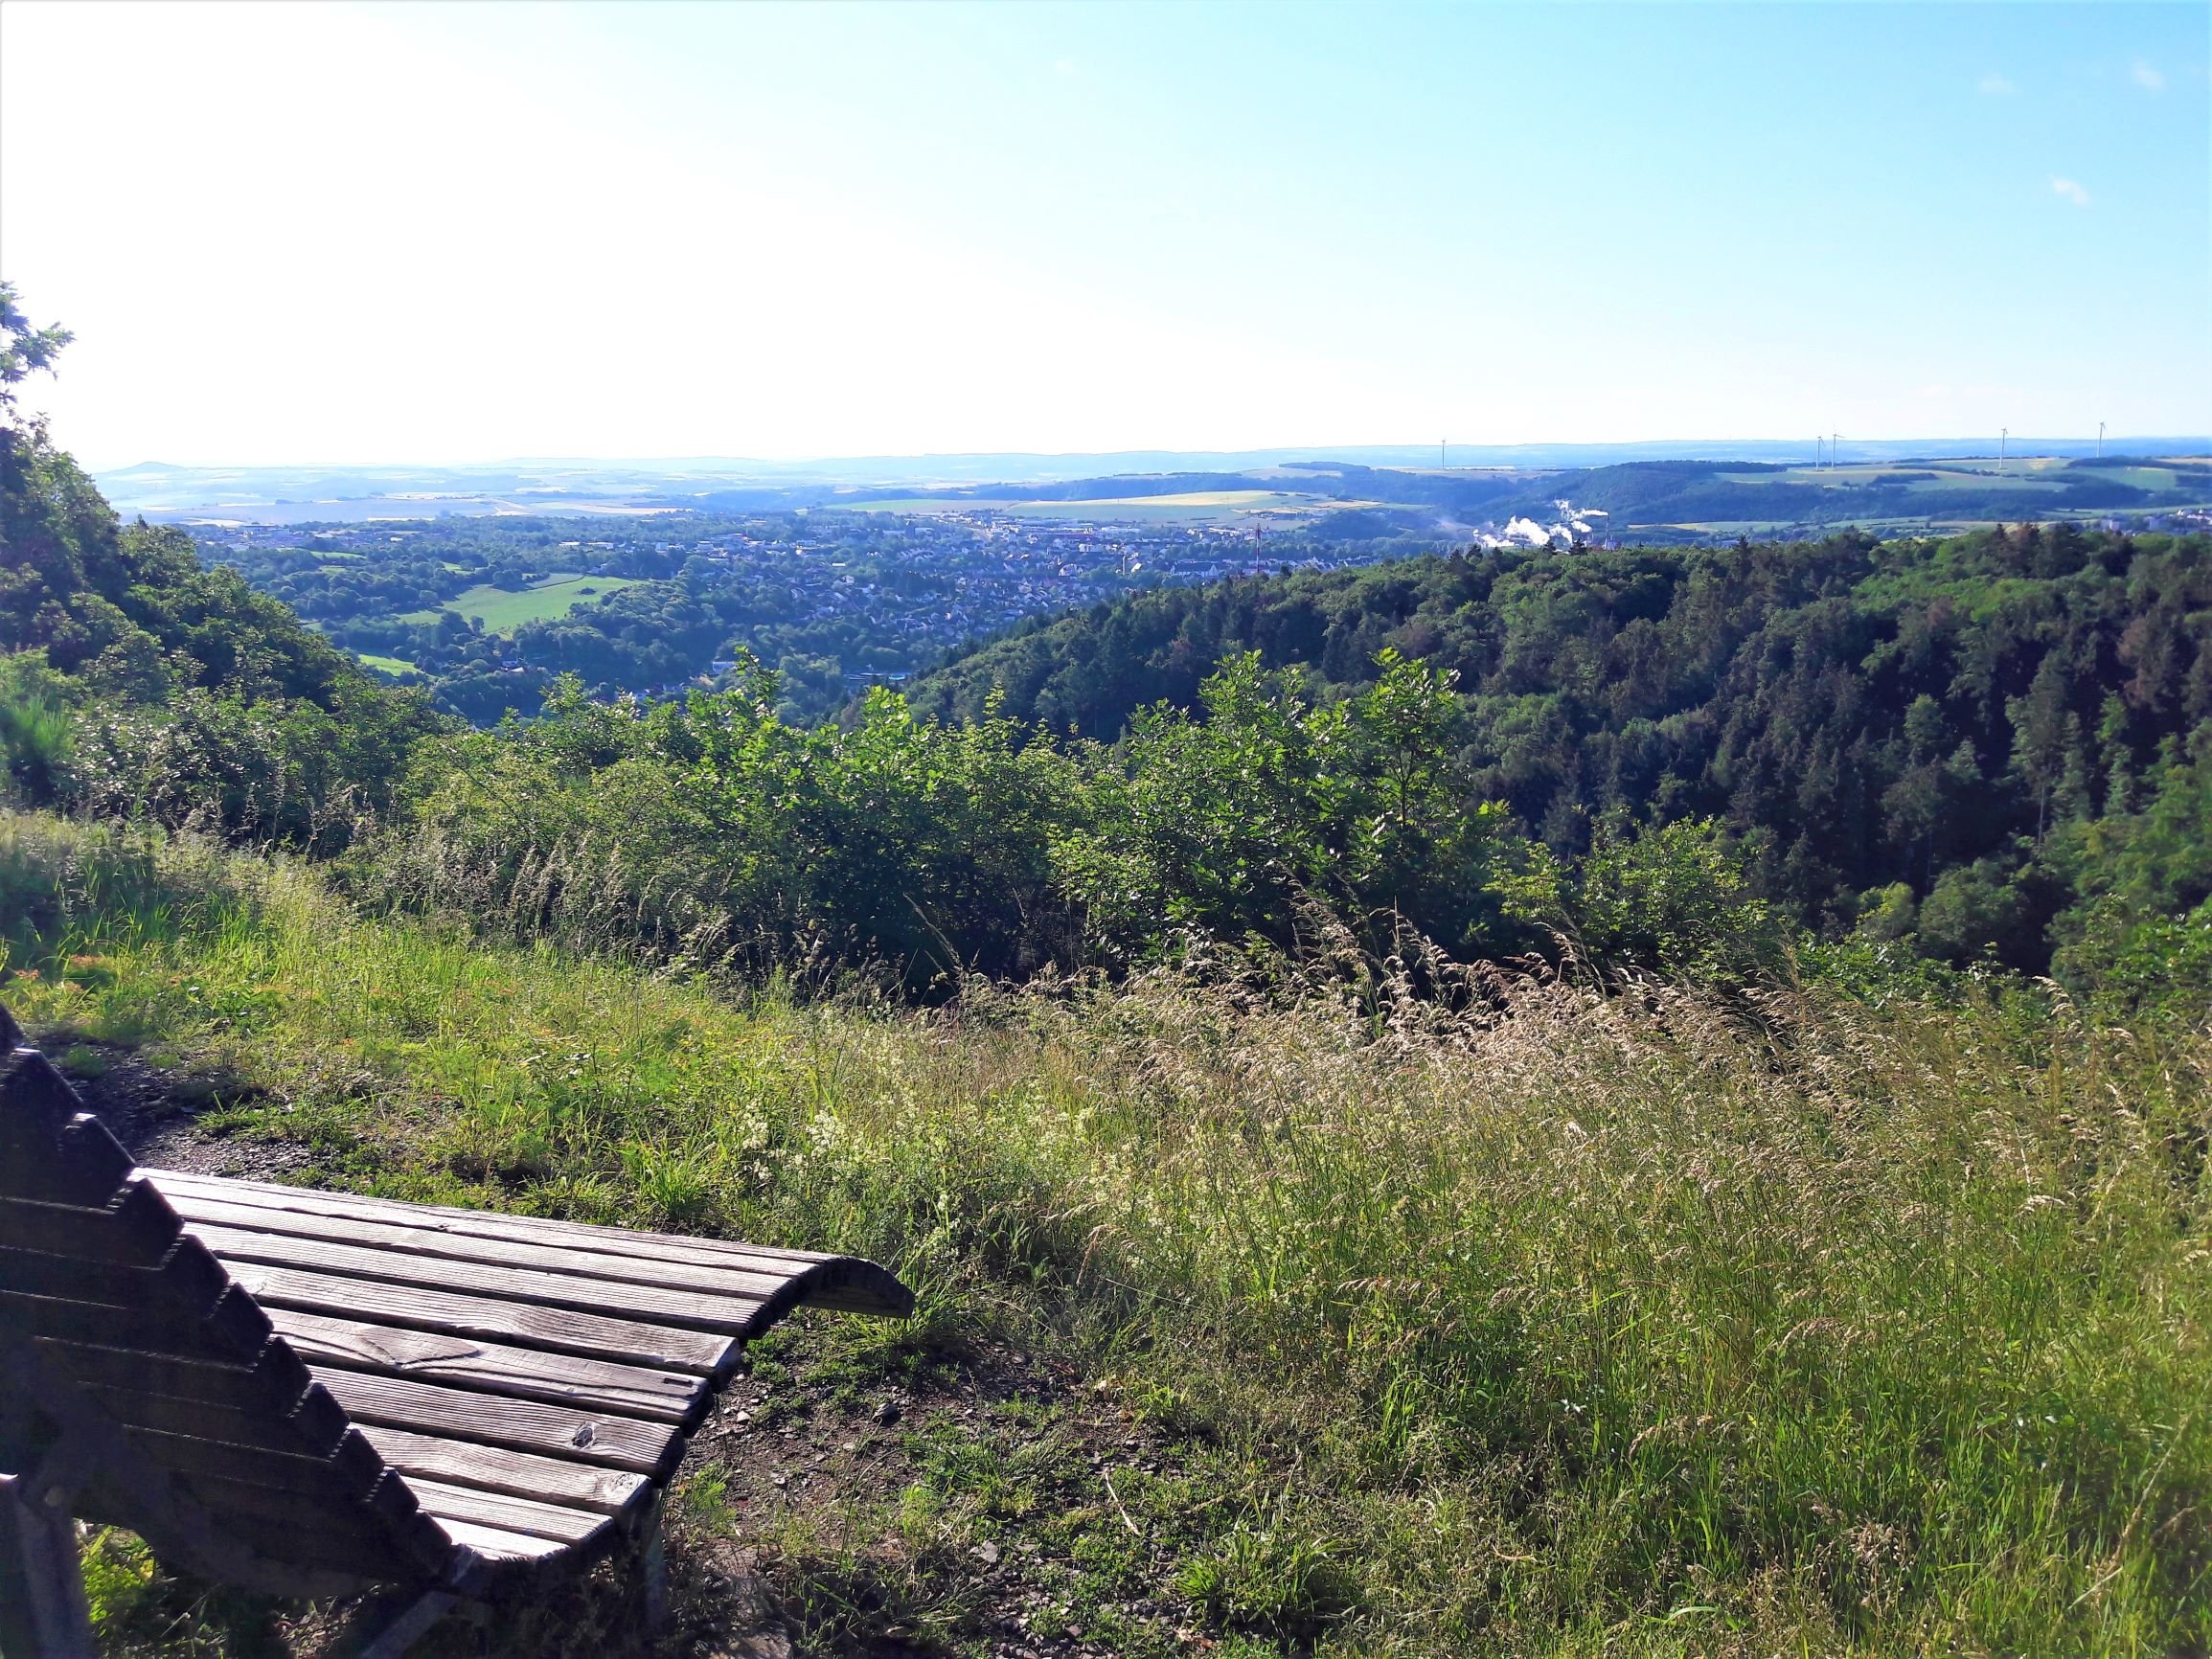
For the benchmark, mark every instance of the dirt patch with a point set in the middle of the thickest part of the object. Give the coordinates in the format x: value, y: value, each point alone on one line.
x: 162, y: 1117
x: 986, y: 1502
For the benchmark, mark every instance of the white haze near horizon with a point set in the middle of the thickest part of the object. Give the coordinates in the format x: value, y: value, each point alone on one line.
x: 354, y: 234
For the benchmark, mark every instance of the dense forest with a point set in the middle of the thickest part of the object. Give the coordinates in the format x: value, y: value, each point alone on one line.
x: 1958, y: 739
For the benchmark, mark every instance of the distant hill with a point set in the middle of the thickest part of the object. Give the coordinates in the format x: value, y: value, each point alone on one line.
x: 1654, y: 494
x: 1407, y: 474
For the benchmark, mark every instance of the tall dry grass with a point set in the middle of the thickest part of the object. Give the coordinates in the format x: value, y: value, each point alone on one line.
x: 1568, y: 1323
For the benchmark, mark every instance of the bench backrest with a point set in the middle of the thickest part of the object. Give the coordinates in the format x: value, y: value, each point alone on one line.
x: 148, y: 1389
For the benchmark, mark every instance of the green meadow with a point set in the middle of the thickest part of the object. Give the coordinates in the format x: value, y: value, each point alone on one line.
x: 501, y: 610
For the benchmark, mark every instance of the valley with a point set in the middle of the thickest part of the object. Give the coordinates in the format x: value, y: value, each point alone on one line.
x: 838, y: 589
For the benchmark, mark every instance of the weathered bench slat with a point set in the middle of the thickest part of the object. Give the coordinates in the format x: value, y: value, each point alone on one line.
x: 510, y: 1513
x: 492, y: 1468
x: 211, y: 1420
x: 493, y: 1368
x: 320, y: 1510
x: 50, y: 1149
x: 499, y: 1544
x: 489, y: 1223
x: 650, y: 1448
x: 589, y: 1335
x: 728, y: 1315
x: 354, y: 1468
x: 836, y: 1283
x: 358, y: 1551
x: 718, y: 1279
x: 137, y: 1230
x: 235, y: 1327
x: 275, y: 1383
x: 188, y: 1285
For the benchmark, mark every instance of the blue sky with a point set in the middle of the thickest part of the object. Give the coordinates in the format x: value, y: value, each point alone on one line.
x: 362, y: 233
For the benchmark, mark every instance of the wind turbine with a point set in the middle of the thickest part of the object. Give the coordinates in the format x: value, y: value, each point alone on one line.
x: 2004, y: 436
x: 2100, y: 441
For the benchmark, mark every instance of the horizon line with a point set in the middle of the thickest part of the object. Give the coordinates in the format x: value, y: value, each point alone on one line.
x: 2021, y: 445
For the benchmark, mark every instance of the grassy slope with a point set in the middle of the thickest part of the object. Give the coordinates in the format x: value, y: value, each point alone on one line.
x: 1623, y: 1325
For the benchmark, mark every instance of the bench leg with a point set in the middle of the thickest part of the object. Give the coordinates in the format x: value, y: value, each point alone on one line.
x: 654, y: 1563
x: 410, y: 1626
x: 43, y: 1613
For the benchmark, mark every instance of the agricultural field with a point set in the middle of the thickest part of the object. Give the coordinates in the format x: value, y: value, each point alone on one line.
x: 2041, y: 471
x: 501, y: 609
x: 1192, y: 507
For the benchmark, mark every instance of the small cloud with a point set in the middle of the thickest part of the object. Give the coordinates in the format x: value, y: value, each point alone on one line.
x: 2071, y: 190
x: 1997, y: 86
x: 2148, y: 78
x: 1063, y: 66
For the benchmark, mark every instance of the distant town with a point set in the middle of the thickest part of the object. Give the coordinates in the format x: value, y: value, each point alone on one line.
x: 487, y: 609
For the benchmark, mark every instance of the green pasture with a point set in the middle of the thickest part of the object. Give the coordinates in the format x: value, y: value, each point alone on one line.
x: 501, y: 610
x: 2020, y: 472
x: 2157, y: 478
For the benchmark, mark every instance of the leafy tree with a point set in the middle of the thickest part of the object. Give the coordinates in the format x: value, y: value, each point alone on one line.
x: 25, y: 348
x: 1679, y: 896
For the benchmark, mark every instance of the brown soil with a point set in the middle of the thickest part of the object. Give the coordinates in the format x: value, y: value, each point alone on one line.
x: 807, y: 1446
x: 158, y: 1116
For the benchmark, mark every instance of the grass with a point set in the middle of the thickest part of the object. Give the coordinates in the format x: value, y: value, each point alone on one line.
x: 501, y: 610
x: 1576, y: 1326
x: 390, y: 665
x: 2154, y: 478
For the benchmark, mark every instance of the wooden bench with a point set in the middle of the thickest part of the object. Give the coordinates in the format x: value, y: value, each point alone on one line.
x: 306, y: 1394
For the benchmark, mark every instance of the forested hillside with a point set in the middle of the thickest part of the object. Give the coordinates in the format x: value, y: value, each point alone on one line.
x: 135, y: 681
x: 1957, y: 738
